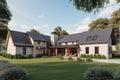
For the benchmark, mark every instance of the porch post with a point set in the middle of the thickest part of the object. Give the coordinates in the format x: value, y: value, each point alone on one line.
x: 56, y: 51
x: 49, y: 51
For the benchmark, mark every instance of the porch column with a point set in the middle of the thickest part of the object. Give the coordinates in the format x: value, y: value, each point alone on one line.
x: 49, y: 51
x: 56, y: 51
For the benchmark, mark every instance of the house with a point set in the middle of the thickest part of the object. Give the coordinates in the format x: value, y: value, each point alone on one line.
x: 90, y: 42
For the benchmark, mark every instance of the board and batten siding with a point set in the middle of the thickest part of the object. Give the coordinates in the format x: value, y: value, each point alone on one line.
x: 11, y: 49
x: 103, y: 49
x: 29, y: 50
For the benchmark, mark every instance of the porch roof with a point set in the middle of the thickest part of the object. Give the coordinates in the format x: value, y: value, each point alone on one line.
x: 64, y: 46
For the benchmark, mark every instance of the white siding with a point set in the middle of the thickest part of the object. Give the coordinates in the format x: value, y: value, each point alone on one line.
x: 11, y: 49
x: 103, y: 49
x: 19, y: 50
x: 40, y: 51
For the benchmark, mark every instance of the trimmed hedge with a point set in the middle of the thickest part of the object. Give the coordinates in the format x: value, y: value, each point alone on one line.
x: 10, y: 71
x: 97, y: 56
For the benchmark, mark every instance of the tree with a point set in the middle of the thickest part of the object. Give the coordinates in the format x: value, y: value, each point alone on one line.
x: 99, y: 24
x: 5, y: 17
x: 33, y: 30
x: 90, y: 5
x: 60, y: 32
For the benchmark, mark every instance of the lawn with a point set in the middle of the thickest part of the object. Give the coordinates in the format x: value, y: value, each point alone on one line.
x: 56, y: 69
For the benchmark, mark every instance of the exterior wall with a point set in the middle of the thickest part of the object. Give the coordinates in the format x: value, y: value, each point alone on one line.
x: 68, y: 43
x: 11, y: 49
x: 103, y: 49
x: 39, y: 51
x: 29, y: 50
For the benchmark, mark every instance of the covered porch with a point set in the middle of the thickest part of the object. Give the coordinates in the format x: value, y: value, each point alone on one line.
x: 66, y: 51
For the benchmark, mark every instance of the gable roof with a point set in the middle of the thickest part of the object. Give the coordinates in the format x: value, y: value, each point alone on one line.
x: 36, y: 36
x: 95, y: 36
x: 40, y: 37
x: 20, y: 38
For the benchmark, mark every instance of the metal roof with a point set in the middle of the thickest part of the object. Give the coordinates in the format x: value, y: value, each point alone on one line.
x: 94, y: 36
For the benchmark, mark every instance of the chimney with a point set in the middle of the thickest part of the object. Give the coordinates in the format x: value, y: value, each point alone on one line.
x: 53, y: 38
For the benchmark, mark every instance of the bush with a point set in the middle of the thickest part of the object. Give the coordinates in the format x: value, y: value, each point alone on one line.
x: 70, y: 58
x: 98, y: 73
x: 117, y: 75
x: 39, y: 55
x: 11, y: 72
x: 62, y: 58
x: 103, y: 57
x: 89, y: 60
x: 30, y: 56
x: 79, y: 60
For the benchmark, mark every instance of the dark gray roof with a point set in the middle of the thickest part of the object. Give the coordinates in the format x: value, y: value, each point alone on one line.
x: 20, y: 38
x: 40, y: 37
x: 95, y: 36
x: 36, y: 36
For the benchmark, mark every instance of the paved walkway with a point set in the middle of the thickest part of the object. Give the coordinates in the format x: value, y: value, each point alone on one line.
x: 117, y: 61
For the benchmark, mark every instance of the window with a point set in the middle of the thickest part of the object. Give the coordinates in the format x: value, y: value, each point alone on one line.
x: 38, y: 42
x: 24, y: 51
x: 66, y: 43
x: 96, y: 50
x: 87, y: 50
x: 89, y: 38
x: 95, y: 37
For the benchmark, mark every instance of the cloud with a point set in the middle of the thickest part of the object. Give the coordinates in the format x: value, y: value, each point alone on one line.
x: 12, y: 24
x: 82, y: 26
x: 109, y: 9
x: 41, y: 16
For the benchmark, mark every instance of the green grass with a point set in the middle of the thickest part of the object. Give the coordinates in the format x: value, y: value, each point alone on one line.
x: 56, y: 69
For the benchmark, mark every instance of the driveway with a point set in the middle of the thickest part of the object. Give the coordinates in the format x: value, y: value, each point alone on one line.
x: 117, y: 61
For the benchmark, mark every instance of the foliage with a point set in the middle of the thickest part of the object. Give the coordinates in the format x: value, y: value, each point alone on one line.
x: 60, y: 32
x: 70, y: 58
x: 117, y: 75
x: 98, y: 73
x: 89, y: 60
x: 33, y: 30
x: 16, y: 56
x: 5, y: 17
x: 79, y: 59
x: 90, y: 5
x: 97, y: 56
x: 9, y: 71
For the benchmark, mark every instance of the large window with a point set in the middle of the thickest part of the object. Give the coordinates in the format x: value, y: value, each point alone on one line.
x: 24, y: 51
x: 96, y: 50
x: 87, y: 50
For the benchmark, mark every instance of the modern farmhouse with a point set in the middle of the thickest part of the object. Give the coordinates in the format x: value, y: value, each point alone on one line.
x: 31, y: 43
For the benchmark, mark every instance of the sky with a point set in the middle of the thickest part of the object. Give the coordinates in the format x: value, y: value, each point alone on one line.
x: 45, y: 15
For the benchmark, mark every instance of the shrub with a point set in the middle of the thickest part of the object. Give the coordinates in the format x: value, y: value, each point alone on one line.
x: 79, y: 60
x: 11, y: 72
x: 62, y: 58
x: 95, y: 56
x: 70, y: 58
x: 98, y: 73
x: 91, y: 56
x: 103, y: 57
x: 30, y: 56
x: 39, y: 55
x: 117, y: 75
x: 89, y: 60
x: 99, y: 56
x: 87, y: 56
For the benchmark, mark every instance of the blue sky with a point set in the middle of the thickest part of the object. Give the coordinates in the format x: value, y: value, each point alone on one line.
x: 45, y: 15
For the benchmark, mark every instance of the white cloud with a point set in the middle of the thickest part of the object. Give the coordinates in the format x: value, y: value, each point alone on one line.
x: 24, y: 27
x: 109, y: 9
x: 82, y: 26
x: 12, y: 24
x: 41, y: 16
